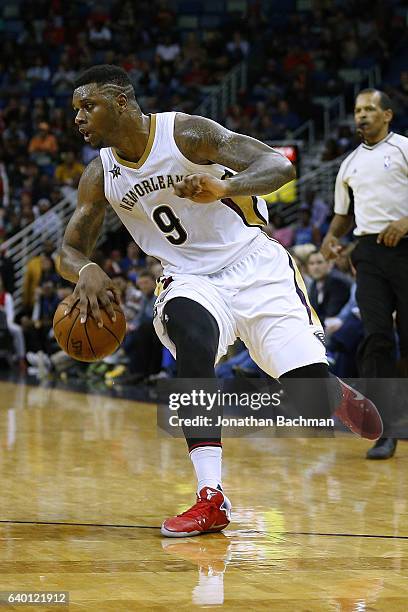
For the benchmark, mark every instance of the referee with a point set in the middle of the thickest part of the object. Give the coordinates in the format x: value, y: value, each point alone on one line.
x: 372, y: 187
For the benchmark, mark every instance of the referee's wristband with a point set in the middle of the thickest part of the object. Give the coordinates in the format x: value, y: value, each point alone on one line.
x: 91, y: 263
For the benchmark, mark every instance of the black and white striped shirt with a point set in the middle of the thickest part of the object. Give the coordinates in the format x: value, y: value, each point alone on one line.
x: 373, y: 181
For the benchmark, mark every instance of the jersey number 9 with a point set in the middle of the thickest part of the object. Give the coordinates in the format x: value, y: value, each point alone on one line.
x: 169, y: 224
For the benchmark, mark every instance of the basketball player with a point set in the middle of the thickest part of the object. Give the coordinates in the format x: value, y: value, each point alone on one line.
x: 187, y: 191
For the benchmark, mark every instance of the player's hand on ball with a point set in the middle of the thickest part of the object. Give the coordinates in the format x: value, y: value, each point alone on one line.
x: 201, y: 188
x: 331, y: 247
x: 392, y: 234
x: 94, y: 289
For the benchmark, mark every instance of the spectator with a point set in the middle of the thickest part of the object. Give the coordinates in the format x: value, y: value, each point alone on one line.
x: 305, y: 231
x: 165, y: 16
x: 331, y: 150
x: 284, y: 234
x: 26, y: 216
x: 238, y: 47
x: 48, y: 223
x: 345, y: 333
x: 69, y: 171
x: 100, y: 35
x: 191, y: 49
x: 26, y: 203
x: 38, y: 71
x: 43, y: 146
x: 88, y: 153
x: 12, y: 224
x: 38, y: 327
x: 63, y: 78
x: 233, y: 118
x: 55, y: 195
x: 350, y: 49
x: 328, y: 293
x: 284, y: 117
x: 296, y: 57
x: 4, y: 186
x: 42, y: 364
x: 345, y: 139
x: 14, y: 137
x: 131, y: 297
x: 6, y: 271
x: 167, y: 50
x: 141, y: 344
x: 317, y: 206
x: 34, y: 182
x: 3, y: 222
x: 241, y: 363
x: 38, y: 269
x: 400, y: 92
x: 40, y: 110
x: 133, y: 259
x: 112, y: 263
x: 7, y: 310
x: 197, y: 75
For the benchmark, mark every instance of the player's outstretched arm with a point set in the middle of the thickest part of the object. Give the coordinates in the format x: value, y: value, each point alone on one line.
x: 93, y: 285
x: 260, y: 169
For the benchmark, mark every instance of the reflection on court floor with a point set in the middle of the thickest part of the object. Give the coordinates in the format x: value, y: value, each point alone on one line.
x: 86, y: 482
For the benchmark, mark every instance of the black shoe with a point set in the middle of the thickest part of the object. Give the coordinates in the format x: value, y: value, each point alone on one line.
x: 384, y: 448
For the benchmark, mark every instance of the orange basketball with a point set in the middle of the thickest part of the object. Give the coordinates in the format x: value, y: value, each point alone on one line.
x: 86, y: 341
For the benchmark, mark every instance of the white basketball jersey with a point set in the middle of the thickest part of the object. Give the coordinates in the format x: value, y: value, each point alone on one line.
x: 186, y: 237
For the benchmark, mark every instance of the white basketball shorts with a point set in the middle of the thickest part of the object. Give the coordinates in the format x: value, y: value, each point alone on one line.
x: 261, y: 299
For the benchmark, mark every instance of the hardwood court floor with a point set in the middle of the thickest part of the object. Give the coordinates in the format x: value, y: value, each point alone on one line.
x: 85, y: 483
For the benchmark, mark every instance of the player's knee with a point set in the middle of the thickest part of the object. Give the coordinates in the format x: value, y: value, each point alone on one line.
x: 192, y: 329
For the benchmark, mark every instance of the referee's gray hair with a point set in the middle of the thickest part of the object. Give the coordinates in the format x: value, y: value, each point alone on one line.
x: 385, y: 100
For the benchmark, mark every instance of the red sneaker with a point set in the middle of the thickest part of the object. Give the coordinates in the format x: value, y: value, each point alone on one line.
x: 211, y: 513
x: 359, y: 414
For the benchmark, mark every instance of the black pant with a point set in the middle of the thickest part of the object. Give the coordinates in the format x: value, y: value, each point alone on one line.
x: 382, y: 288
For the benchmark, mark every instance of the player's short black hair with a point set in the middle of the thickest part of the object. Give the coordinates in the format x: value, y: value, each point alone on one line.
x: 103, y: 74
x: 385, y: 100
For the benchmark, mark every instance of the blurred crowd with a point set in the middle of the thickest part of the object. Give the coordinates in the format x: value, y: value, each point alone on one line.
x: 297, y: 61
x: 313, y: 218
x: 302, y: 60
x: 46, y: 44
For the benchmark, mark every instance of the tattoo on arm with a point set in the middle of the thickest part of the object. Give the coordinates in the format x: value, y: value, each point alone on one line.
x: 83, y: 229
x: 260, y: 168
